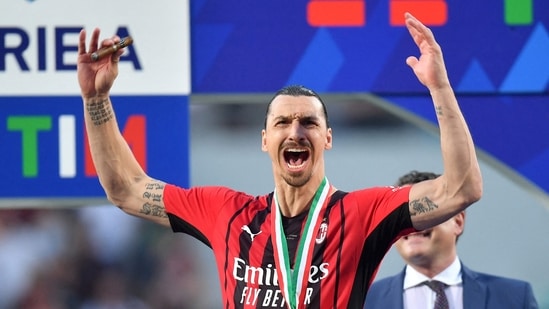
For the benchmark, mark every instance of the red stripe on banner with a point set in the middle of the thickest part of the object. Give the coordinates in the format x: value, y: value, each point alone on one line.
x: 321, y: 13
x: 430, y: 12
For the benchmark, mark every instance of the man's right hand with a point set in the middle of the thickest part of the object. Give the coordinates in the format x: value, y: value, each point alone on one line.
x: 96, y: 77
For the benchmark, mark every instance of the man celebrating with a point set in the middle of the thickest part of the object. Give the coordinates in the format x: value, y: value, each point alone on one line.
x: 306, y: 244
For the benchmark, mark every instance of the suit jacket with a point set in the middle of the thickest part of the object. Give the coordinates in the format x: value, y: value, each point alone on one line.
x: 480, y: 291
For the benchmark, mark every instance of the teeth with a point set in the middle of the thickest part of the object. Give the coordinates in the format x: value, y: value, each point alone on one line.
x: 296, y: 150
x: 295, y: 166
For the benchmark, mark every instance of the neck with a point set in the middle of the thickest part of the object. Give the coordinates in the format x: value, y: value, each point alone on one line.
x: 295, y: 200
x: 432, y: 268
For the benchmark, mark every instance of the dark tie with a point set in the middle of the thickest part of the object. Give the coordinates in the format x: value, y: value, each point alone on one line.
x: 441, y: 302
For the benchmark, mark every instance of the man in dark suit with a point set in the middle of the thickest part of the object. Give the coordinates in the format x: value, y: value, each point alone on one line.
x: 431, y: 258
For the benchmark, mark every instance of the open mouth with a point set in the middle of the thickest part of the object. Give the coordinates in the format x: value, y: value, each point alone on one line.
x: 296, y: 158
x: 423, y: 234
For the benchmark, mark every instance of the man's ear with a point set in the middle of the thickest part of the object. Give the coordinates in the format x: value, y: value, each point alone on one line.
x: 459, y: 220
x: 328, y: 144
x: 263, y: 141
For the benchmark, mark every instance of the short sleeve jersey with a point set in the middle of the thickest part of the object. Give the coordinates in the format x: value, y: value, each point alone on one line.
x: 357, y: 230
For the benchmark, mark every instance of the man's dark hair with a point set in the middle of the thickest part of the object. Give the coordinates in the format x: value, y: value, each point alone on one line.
x: 297, y: 90
x: 415, y: 177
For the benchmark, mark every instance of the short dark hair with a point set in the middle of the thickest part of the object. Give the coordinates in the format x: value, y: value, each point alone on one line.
x: 297, y: 90
x: 415, y: 177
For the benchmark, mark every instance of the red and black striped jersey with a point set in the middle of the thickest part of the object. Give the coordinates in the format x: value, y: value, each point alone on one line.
x: 355, y: 231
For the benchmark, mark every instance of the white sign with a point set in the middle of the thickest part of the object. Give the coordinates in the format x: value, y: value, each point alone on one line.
x: 39, y: 38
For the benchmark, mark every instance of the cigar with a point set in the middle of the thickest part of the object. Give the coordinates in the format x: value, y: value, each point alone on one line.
x: 105, y: 51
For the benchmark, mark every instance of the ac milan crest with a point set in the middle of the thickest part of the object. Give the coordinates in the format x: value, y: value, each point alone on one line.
x: 322, y: 231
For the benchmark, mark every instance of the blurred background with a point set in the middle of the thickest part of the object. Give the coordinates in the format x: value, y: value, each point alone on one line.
x: 98, y: 257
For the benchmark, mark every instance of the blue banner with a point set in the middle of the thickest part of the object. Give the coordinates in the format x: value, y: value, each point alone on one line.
x: 496, y: 53
x: 45, y: 144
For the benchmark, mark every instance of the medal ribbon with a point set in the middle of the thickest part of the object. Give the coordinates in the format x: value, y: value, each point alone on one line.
x: 291, y: 282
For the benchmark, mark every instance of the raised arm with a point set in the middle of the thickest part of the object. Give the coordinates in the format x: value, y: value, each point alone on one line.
x: 460, y: 185
x: 123, y: 179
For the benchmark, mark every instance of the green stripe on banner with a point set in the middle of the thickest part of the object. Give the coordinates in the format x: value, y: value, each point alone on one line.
x: 518, y: 12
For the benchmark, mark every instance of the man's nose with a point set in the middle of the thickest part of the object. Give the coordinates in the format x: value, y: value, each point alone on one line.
x: 297, y: 131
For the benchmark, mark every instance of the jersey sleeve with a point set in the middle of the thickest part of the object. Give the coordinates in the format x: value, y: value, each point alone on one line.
x: 387, y: 207
x: 197, y: 211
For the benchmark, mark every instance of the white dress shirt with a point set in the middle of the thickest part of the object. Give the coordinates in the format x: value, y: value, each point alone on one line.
x: 419, y: 296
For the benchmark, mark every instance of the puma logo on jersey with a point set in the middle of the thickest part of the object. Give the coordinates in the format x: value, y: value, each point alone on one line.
x: 246, y: 229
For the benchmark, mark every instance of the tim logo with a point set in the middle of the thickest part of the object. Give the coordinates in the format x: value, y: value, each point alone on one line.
x: 352, y: 13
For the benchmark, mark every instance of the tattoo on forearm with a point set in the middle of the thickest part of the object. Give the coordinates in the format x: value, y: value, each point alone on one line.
x: 153, y: 207
x: 438, y: 110
x: 157, y: 185
x: 421, y: 206
x: 154, y: 210
x: 100, y: 111
x: 155, y: 197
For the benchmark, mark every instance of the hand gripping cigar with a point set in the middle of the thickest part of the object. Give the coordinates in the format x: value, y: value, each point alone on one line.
x: 105, y: 51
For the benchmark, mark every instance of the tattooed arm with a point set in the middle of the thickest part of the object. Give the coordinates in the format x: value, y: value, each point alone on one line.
x: 460, y: 185
x: 121, y: 176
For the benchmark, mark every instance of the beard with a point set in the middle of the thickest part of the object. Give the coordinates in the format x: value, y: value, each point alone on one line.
x: 298, y: 180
